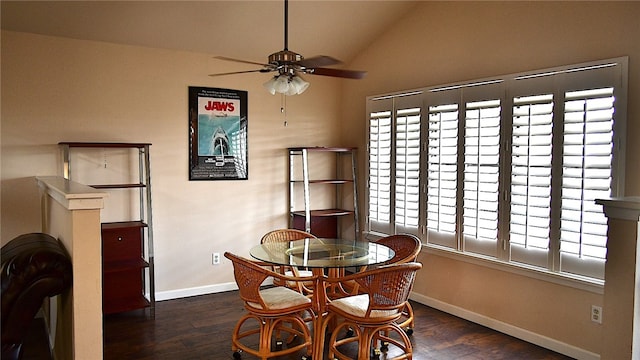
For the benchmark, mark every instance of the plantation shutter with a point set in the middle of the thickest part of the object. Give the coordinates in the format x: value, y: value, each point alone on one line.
x: 531, y: 154
x: 442, y: 169
x: 379, y: 182
x: 407, y: 164
x: 481, y: 176
x: 587, y: 159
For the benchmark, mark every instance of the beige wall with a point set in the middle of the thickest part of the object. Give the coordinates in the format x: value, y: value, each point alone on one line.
x: 445, y: 42
x: 56, y: 89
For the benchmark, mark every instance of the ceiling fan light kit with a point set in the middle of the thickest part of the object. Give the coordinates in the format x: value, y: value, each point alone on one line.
x: 286, y: 84
x: 289, y: 65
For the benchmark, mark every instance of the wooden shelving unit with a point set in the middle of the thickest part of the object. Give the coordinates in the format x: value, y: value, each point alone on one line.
x: 326, y: 221
x: 127, y: 246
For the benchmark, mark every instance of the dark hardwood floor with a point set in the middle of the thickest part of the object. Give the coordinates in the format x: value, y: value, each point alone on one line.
x: 200, y: 328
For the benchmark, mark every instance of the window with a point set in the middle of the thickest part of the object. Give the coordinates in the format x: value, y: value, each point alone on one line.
x: 394, y: 148
x: 586, y: 176
x: 531, y: 159
x: 379, y: 169
x: 506, y: 168
x: 481, y: 176
x: 407, y: 168
x: 442, y: 174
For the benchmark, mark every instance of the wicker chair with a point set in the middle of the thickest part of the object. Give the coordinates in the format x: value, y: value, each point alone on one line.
x: 372, y: 316
x: 406, y: 248
x: 274, y: 310
x: 282, y: 237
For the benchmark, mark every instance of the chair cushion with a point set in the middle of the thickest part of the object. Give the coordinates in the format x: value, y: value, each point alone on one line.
x: 280, y: 297
x: 301, y: 273
x: 357, y: 305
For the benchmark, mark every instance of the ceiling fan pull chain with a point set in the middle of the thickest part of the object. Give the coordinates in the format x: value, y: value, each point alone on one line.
x: 283, y: 108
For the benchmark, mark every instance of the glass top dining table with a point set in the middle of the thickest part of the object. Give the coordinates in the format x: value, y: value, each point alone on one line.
x: 322, y: 253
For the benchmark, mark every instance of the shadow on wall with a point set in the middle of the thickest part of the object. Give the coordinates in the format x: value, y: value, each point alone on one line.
x: 20, y: 208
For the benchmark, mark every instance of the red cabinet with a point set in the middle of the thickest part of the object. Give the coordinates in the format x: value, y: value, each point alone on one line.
x: 123, y: 266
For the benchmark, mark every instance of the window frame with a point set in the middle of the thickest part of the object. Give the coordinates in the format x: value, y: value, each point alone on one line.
x: 507, y: 87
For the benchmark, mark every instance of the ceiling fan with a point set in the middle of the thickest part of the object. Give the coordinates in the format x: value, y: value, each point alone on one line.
x: 288, y: 65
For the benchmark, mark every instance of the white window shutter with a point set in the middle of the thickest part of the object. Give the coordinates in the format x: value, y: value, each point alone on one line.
x: 481, y: 176
x: 531, y: 153
x: 380, y: 170
x: 586, y: 163
x: 407, y: 170
x: 442, y: 168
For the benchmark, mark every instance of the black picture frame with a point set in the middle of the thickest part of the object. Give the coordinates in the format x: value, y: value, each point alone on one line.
x: 218, y: 148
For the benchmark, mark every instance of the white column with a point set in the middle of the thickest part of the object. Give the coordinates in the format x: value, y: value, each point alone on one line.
x: 620, y: 315
x: 71, y: 213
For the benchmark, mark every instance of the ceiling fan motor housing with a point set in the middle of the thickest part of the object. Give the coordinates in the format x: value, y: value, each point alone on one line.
x: 284, y: 57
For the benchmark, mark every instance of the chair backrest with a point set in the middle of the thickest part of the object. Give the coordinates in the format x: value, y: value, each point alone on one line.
x: 249, y: 276
x: 388, y: 286
x: 406, y: 248
x: 282, y: 235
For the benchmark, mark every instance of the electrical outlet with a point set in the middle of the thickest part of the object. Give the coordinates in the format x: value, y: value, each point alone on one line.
x: 596, y: 314
x: 215, y: 259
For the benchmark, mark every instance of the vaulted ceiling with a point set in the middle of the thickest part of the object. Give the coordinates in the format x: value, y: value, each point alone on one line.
x: 247, y: 30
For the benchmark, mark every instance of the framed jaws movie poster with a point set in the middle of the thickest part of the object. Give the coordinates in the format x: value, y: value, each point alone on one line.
x: 217, y: 134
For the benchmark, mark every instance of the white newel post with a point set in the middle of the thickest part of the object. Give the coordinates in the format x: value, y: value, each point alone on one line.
x: 71, y: 213
x: 620, y: 315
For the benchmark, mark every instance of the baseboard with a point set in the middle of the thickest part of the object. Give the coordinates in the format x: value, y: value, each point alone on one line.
x: 523, y: 334
x: 201, y: 290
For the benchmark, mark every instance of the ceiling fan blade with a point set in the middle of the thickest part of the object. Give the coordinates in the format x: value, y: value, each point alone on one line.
x: 242, y: 72
x: 349, y: 74
x: 318, y: 61
x: 238, y: 60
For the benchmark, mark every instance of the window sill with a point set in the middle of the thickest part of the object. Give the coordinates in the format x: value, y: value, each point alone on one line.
x: 577, y: 282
